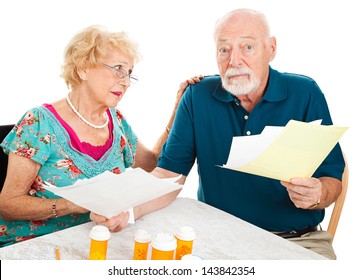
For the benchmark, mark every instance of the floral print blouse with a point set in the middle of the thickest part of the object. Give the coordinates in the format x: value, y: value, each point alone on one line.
x: 39, y: 136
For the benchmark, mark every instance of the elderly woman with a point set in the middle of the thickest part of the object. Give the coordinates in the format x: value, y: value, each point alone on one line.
x: 74, y: 138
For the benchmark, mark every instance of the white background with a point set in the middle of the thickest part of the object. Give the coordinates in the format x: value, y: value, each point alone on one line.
x: 320, y: 39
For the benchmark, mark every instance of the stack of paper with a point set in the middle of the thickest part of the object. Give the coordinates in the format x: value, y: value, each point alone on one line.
x: 109, y: 194
x: 282, y: 153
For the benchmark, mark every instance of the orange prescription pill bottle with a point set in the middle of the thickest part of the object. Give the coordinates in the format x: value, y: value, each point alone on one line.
x: 185, y: 237
x: 163, y: 247
x: 99, y: 237
x: 141, y: 240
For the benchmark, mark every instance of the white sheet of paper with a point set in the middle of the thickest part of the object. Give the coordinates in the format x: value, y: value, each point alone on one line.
x: 109, y: 194
x: 282, y: 153
x: 251, y: 146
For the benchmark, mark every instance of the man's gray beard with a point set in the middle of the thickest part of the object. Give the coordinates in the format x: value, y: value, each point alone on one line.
x: 239, y: 87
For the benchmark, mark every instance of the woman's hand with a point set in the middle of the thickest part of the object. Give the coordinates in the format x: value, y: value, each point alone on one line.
x: 184, y: 85
x: 114, y: 224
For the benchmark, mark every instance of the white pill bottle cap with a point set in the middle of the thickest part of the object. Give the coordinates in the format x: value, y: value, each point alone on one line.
x: 100, y: 233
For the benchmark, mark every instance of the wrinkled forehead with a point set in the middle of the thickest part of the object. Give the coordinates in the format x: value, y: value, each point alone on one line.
x: 241, y: 25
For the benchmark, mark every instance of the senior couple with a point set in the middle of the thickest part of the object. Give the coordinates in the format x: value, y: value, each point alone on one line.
x: 84, y: 134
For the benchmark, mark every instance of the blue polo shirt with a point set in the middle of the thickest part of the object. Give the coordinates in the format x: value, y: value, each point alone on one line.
x: 209, y: 117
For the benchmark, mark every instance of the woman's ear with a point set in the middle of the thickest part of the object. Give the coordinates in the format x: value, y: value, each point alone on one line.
x: 82, y: 74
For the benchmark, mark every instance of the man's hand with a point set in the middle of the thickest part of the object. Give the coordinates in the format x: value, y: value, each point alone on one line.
x: 305, y: 193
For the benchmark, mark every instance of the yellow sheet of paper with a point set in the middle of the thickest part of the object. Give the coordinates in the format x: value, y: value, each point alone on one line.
x: 296, y: 152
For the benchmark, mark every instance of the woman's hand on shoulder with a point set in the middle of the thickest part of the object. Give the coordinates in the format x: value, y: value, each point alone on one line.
x: 191, y: 81
x: 195, y: 79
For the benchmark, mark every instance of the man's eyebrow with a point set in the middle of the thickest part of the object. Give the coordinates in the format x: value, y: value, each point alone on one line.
x: 222, y: 40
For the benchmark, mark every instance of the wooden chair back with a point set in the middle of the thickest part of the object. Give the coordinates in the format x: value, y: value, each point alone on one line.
x: 338, y: 204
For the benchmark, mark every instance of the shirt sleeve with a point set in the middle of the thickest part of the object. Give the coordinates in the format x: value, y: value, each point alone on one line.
x: 30, y: 138
x: 178, y: 153
x: 333, y: 165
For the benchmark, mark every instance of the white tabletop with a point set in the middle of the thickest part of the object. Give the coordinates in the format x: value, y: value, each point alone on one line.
x: 219, y: 236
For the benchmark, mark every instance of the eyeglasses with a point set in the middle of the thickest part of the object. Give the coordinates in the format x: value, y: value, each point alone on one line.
x: 121, y: 73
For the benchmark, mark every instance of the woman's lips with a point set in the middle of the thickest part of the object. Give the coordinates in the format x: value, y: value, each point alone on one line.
x: 117, y: 93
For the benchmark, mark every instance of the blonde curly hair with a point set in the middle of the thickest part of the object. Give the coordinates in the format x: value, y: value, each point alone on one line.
x: 88, y: 46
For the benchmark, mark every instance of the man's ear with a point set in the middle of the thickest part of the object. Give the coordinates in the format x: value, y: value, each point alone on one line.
x: 273, y: 47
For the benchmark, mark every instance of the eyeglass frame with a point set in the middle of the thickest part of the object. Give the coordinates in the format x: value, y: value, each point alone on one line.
x: 133, y: 78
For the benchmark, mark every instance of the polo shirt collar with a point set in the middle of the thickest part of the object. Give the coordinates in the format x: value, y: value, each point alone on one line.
x: 222, y: 94
x: 275, y: 90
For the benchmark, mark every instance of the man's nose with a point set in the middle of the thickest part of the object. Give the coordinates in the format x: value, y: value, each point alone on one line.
x: 236, y: 58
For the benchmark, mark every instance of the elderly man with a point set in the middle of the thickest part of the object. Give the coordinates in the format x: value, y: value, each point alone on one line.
x: 247, y: 96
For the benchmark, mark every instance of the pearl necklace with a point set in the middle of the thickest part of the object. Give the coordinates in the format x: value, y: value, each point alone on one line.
x: 83, y: 119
